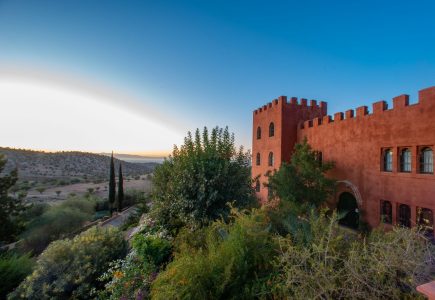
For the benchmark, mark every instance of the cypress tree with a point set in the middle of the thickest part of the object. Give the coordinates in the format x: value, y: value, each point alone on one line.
x: 120, y: 189
x: 112, y: 185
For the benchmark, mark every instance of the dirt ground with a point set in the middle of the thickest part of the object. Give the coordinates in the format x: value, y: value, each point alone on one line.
x: 51, y: 195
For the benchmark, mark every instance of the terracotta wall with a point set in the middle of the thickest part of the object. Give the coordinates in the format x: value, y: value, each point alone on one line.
x: 355, y: 144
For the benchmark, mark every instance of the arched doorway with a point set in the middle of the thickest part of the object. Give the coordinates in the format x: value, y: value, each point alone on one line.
x: 347, y: 208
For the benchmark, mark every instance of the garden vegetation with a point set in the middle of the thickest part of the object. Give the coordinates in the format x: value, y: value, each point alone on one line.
x: 204, y: 238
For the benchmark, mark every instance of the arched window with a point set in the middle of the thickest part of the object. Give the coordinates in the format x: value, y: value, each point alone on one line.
x: 388, y: 160
x: 405, y: 160
x: 271, y: 129
x: 257, y: 186
x: 271, y: 160
x: 258, y: 160
x: 258, y: 133
x: 386, y: 212
x: 404, y: 215
x: 426, y: 160
x: 425, y: 220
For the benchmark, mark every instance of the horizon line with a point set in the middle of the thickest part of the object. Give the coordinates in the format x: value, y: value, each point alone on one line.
x: 151, y: 154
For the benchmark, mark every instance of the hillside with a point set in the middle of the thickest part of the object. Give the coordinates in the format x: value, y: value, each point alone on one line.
x: 76, y: 166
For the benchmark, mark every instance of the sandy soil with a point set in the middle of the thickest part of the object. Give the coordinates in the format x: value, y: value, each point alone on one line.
x: 100, y: 189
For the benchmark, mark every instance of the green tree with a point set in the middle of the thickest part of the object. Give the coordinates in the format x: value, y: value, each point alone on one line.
x: 112, y: 185
x: 10, y: 207
x: 302, y: 184
x: 120, y: 189
x: 40, y: 190
x: 56, y: 222
x: 193, y: 186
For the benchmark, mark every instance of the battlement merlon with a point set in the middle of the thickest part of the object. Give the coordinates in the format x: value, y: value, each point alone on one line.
x: 294, y: 103
x: 425, y: 96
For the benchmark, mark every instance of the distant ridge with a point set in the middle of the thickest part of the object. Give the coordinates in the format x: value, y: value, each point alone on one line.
x: 135, y: 158
x: 35, y: 165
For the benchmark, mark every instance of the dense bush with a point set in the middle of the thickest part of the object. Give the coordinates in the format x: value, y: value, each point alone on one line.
x: 101, y: 204
x: 70, y: 268
x: 336, y: 263
x: 13, y: 269
x: 34, y: 211
x: 132, y: 197
x: 233, y: 263
x: 57, y: 221
x: 193, y: 186
x: 130, y: 278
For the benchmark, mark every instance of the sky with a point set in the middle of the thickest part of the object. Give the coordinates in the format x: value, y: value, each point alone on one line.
x: 135, y: 76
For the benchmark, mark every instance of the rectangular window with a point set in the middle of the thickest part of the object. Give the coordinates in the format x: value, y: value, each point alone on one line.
x: 386, y: 212
x: 387, y: 160
x: 405, y: 160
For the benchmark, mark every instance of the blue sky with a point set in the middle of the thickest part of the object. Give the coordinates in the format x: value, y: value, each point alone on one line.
x: 213, y: 62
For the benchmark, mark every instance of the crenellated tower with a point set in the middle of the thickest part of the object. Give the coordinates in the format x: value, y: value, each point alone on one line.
x: 275, y: 134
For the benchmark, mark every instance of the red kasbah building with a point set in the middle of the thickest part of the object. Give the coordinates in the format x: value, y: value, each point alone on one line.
x: 383, y: 160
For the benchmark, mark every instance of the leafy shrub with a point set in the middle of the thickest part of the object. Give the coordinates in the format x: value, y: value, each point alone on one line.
x: 13, y: 269
x: 152, y: 249
x: 193, y: 186
x: 336, y: 263
x: 130, y: 278
x: 234, y: 262
x: 85, y: 205
x: 56, y: 222
x: 69, y: 268
x: 132, y: 197
x: 34, y: 210
x: 101, y: 204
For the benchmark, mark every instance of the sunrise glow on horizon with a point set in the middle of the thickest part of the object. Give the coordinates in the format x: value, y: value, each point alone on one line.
x: 51, y: 114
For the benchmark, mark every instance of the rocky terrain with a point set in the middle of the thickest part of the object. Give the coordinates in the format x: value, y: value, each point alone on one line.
x: 69, y: 167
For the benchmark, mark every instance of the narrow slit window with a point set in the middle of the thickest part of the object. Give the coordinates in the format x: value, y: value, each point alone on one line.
x: 271, y: 159
x: 271, y: 129
x: 258, y: 133
x: 258, y: 159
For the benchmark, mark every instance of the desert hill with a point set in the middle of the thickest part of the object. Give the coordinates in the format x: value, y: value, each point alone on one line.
x: 75, y: 166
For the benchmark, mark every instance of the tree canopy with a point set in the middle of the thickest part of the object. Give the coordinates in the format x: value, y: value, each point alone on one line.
x: 10, y: 207
x: 302, y: 183
x: 194, y: 185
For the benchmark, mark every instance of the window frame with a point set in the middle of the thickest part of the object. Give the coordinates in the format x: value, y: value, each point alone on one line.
x: 271, y: 159
x: 258, y: 159
x: 402, y: 163
x: 428, y: 230
x: 401, y: 220
x: 383, y: 213
x: 258, y: 133
x: 386, y: 163
x: 422, y: 163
